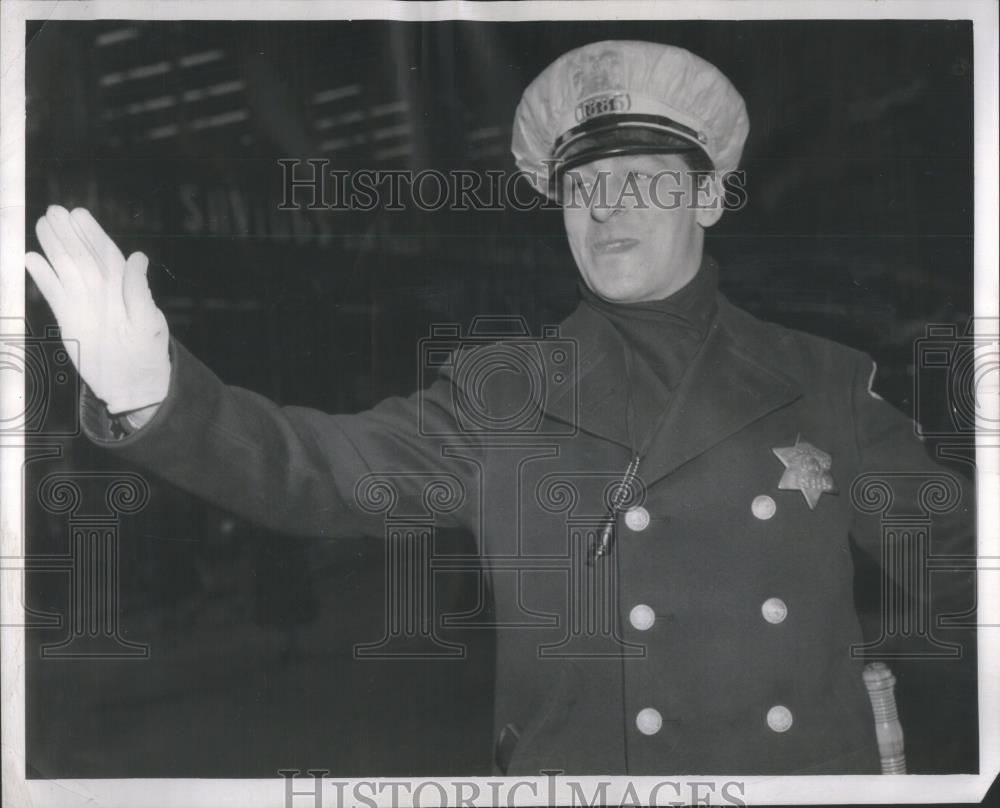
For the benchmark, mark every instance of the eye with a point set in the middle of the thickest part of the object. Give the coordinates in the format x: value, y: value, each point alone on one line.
x: 575, y: 183
x: 639, y: 176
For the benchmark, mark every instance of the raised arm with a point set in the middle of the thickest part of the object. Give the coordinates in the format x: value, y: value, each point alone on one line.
x: 292, y: 469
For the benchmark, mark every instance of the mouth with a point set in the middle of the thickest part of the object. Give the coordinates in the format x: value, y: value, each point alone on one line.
x: 613, y: 245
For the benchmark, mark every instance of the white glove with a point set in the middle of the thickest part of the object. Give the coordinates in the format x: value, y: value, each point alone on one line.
x: 103, y: 304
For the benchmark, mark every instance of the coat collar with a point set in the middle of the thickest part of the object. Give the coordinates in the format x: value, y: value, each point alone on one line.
x: 735, y: 379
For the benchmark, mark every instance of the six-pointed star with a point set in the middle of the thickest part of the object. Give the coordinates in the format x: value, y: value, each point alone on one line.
x: 807, y: 469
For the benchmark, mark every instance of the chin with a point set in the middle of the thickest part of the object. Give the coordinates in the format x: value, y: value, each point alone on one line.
x: 617, y: 289
x: 619, y: 278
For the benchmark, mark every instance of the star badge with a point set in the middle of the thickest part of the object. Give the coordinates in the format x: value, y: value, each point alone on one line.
x: 807, y: 469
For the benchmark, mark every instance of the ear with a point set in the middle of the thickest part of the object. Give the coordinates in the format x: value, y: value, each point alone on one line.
x: 709, y: 198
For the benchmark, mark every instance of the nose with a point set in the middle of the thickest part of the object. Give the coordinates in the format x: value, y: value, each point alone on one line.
x: 603, y: 209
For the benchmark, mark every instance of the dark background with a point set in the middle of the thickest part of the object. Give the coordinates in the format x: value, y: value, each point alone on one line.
x: 859, y: 228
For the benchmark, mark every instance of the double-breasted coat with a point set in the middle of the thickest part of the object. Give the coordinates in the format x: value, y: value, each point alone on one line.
x: 714, y: 637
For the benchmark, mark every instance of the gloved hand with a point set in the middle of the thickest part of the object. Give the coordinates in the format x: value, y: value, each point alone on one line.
x: 102, y: 303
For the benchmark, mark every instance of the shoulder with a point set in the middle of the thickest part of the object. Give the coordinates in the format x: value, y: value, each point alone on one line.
x: 798, y: 354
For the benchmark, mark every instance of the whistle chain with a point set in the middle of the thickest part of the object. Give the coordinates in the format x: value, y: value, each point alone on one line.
x: 617, y: 501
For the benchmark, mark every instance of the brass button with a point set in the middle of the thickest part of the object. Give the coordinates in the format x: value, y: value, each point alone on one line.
x: 774, y: 610
x: 637, y: 518
x: 649, y: 721
x: 642, y: 617
x: 779, y: 718
x: 763, y: 507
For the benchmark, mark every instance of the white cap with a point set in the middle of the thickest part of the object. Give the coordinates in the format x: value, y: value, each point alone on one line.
x: 621, y: 97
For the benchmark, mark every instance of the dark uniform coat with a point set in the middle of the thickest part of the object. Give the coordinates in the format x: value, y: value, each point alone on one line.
x: 714, y: 637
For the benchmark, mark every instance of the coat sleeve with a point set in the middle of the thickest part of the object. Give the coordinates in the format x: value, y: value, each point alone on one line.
x: 298, y: 470
x: 902, y: 493
x: 925, y: 622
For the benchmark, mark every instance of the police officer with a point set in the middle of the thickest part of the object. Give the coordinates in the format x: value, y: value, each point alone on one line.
x: 682, y: 597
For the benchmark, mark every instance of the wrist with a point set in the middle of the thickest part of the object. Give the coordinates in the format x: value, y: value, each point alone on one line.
x: 134, y: 420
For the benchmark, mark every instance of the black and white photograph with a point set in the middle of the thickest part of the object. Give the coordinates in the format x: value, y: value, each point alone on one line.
x: 534, y: 403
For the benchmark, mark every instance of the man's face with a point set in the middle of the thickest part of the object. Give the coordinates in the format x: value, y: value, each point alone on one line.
x: 635, y: 224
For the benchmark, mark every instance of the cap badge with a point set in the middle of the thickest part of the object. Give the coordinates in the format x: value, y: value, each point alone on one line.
x: 602, y: 105
x: 599, y: 80
x: 807, y: 469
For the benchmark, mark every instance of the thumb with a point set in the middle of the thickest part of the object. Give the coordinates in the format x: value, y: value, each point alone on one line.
x: 138, y: 299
